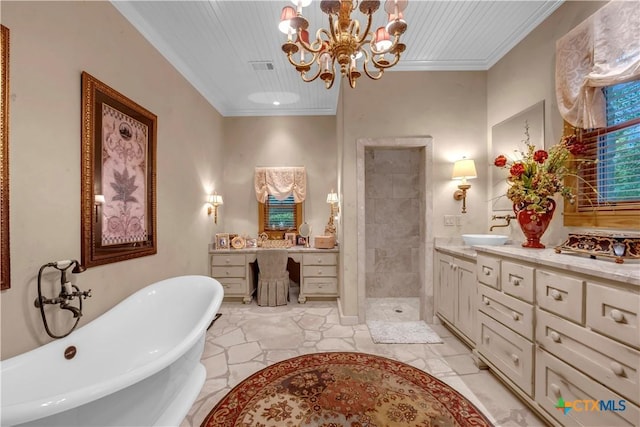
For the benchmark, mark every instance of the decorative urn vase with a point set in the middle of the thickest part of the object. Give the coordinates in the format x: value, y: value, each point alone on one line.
x: 534, y: 224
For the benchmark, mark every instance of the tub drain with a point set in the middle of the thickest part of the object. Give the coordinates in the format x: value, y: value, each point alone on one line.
x: 70, y: 352
x: 397, y: 310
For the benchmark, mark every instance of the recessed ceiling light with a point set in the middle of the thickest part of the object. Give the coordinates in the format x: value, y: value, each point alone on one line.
x: 283, y: 98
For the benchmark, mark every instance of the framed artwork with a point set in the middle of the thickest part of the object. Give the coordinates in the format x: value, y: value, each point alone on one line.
x: 302, y: 241
x: 118, y: 206
x: 222, y: 241
x: 5, y: 259
x: 238, y: 242
x: 291, y: 237
x: 252, y: 243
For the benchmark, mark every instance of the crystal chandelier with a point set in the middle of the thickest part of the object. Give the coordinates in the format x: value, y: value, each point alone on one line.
x: 343, y: 42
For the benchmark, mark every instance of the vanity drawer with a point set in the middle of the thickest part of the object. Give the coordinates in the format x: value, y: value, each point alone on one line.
x: 517, y: 280
x: 614, y: 313
x: 222, y: 272
x: 555, y: 379
x: 511, y: 312
x: 320, y: 285
x: 320, y: 271
x: 488, y: 271
x: 320, y: 259
x: 227, y: 259
x: 560, y: 294
x: 507, y: 351
x: 609, y: 362
x: 233, y: 286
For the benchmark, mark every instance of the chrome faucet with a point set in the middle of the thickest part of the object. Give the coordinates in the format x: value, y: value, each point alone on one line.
x: 507, y: 218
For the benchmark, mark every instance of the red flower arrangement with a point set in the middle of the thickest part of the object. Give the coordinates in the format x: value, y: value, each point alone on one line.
x: 539, y: 174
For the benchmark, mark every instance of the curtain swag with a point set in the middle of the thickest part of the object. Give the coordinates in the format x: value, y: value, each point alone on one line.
x: 601, y: 51
x: 281, y: 182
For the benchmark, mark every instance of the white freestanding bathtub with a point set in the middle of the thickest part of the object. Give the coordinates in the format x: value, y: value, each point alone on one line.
x: 136, y: 365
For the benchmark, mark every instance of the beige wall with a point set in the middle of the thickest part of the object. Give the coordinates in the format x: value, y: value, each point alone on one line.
x: 525, y: 76
x: 51, y: 44
x: 307, y: 141
x: 448, y: 106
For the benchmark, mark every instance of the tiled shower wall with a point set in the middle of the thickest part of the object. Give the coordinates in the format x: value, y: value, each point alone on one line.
x: 393, y: 205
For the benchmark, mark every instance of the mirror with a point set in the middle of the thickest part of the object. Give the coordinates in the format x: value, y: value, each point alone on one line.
x: 305, y: 231
x: 506, y: 138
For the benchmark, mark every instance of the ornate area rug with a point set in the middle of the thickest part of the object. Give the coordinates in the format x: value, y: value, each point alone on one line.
x: 416, y: 332
x: 343, y: 390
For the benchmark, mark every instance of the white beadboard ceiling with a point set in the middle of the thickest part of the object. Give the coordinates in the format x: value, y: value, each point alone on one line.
x: 222, y: 47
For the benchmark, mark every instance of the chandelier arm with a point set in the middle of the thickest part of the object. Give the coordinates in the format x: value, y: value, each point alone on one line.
x: 309, y: 47
x: 332, y: 28
x: 389, y: 65
x: 372, y: 76
x: 374, y: 51
x: 300, y: 64
x: 362, y: 40
x: 303, y: 75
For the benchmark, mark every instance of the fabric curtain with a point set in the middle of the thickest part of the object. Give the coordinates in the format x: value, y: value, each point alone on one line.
x: 601, y: 51
x: 281, y: 182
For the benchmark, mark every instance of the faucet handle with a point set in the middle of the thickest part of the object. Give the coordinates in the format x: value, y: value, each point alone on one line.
x: 86, y: 294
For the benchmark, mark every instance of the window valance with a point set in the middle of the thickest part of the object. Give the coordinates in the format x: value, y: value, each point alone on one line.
x: 601, y: 51
x: 281, y: 182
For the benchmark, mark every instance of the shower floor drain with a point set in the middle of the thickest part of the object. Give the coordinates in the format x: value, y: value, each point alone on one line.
x: 397, y: 310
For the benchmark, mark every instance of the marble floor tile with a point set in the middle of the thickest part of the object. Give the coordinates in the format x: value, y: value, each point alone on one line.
x: 247, y: 338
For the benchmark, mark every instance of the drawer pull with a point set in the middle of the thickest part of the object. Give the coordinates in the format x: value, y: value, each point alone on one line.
x: 515, y: 358
x: 227, y: 260
x: 515, y: 315
x: 319, y: 272
x: 617, y: 369
x: 617, y: 315
x: 226, y: 272
x: 486, y: 301
x: 556, y: 295
x: 516, y: 282
x: 486, y: 271
x: 319, y: 261
x: 555, y: 336
x: 555, y: 390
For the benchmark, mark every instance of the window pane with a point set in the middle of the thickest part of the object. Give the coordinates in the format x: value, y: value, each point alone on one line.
x: 281, y: 214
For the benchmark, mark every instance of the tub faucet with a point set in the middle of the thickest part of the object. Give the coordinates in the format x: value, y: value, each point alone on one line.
x: 507, y: 218
x: 68, y: 292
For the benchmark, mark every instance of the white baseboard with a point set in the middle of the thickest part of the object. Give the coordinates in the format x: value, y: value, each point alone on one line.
x: 346, y: 320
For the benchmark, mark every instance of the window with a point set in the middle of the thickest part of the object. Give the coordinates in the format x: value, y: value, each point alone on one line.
x: 608, y: 190
x: 278, y: 216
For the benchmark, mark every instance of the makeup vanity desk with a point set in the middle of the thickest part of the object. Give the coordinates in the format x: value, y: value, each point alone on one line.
x: 236, y: 271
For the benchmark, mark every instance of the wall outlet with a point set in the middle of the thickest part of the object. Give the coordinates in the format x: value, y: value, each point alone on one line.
x: 449, y: 220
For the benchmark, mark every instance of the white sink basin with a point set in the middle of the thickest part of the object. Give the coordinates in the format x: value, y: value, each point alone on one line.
x: 484, y: 239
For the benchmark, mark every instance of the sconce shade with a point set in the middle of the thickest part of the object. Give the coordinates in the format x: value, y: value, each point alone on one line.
x: 464, y: 169
x: 285, y: 19
x: 332, y: 197
x: 215, y: 199
x: 99, y: 199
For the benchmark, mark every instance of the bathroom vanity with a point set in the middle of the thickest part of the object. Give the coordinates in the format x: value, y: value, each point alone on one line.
x: 234, y: 269
x: 553, y: 327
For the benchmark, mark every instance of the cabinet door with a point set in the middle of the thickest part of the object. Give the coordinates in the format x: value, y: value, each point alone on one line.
x: 444, y: 286
x: 465, y: 278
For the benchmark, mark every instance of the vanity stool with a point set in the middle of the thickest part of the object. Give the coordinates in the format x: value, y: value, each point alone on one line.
x: 273, y: 277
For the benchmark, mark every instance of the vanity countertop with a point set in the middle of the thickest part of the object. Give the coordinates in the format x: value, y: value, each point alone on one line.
x: 628, y: 272
x: 296, y: 249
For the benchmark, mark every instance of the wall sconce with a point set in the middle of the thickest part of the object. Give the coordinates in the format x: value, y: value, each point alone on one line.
x: 214, y: 201
x: 98, y: 201
x: 463, y: 169
x: 332, y: 200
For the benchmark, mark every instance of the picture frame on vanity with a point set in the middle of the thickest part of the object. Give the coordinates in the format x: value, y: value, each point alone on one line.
x: 118, y: 176
x: 222, y: 241
x: 251, y: 242
x: 302, y: 241
x: 291, y: 237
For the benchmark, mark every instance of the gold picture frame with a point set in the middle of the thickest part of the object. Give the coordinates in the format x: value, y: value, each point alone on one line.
x: 118, y: 205
x: 5, y: 258
x: 222, y: 241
